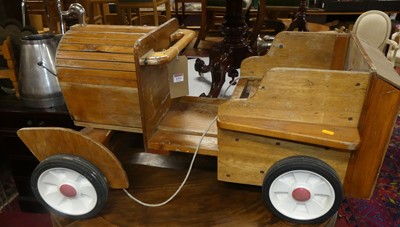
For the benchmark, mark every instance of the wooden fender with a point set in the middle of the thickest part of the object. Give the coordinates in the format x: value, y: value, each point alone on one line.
x: 45, y: 142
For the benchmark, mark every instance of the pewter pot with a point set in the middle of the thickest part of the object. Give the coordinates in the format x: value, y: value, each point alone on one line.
x: 38, y: 83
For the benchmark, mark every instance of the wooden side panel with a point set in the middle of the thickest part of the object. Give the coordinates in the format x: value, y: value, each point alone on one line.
x: 153, y: 81
x: 102, y: 104
x: 246, y: 158
x: 297, y: 50
x: 45, y: 142
x: 376, y: 126
x: 304, y: 95
x: 356, y: 60
x: 154, y: 97
x: 97, y: 73
x: 340, y: 52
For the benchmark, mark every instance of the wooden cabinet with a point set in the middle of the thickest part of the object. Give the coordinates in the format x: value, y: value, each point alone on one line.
x: 13, y: 116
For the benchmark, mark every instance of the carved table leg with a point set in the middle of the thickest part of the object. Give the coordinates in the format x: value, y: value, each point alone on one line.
x: 226, y: 56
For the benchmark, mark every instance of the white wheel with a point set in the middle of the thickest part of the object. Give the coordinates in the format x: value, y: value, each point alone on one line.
x: 67, y: 191
x: 302, y: 195
x: 69, y: 186
x: 302, y: 190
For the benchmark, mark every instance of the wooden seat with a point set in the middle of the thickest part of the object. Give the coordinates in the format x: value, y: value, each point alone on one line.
x: 10, y: 72
x: 126, y: 6
x: 317, y: 107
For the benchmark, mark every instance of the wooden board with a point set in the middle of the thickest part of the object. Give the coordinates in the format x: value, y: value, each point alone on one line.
x: 184, y: 124
x: 323, y: 99
x: 299, y: 50
x: 376, y: 126
x: 245, y: 158
x: 45, y: 142
x: 102, y: 104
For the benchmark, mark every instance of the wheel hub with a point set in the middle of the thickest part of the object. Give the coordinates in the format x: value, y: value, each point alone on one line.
x: 68, y: 190
x: 301, y: 194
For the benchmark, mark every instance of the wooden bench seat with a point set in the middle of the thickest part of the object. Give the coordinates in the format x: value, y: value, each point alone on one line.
x: 318, y: 107
x: 346, y: 138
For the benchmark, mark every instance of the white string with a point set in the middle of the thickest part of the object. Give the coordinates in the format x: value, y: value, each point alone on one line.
x: 191, y: 163
x: 186, y: 177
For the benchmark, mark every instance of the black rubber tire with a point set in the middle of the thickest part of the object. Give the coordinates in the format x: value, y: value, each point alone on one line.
x: 308, y: 164
x: 83, y: 167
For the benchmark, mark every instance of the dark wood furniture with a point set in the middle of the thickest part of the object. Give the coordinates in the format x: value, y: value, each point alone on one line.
x: 13, y: 116
x: 226, y: 56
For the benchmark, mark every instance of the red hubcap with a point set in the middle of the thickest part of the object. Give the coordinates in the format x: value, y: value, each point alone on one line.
x: 301, y: 194
x: 68, y: 190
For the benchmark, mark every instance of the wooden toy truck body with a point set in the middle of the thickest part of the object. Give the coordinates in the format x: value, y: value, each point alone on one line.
x: 325, y: 95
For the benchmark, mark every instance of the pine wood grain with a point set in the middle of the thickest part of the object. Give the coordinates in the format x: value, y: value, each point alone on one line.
x: 313, y: 100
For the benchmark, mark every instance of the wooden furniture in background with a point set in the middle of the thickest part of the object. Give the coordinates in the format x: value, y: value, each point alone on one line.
x: 11, y: 70
x: 227, y: 55
x: 125, y: 7
x: 99, y: 5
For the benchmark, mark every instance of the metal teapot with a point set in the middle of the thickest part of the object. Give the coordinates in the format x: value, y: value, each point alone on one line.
x: 38, y: 85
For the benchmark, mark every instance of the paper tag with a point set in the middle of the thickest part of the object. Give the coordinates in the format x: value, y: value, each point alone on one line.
x: 178, y: 77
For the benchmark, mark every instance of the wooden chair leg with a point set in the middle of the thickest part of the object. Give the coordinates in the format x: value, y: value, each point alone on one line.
x: 168, y: 10
x: 155, y: 12
x: 203, y: 24
x: 259, y: 22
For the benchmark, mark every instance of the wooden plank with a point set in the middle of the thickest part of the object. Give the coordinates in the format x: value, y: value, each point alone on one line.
x: 246, y: 158
x: 188, y: 117
x: 99, y: 56
x: 113, y: 28
x: 98, y: 41
x: 340, y: 52
x: 295, y: 49
x: 182, y: 142
x: 105, y: 105
x: 104, y: 34
x: 376, y: 126
x: 95, y: 80
x: 96, y: 65
x: 311, y: 96
x: 96, y: 73
x: 45, y: 142
x: 324, y: 135
x: 104, y: 48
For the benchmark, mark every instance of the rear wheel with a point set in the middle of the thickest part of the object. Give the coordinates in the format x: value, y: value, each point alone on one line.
x: 70, y: 186
x: 302, y: 190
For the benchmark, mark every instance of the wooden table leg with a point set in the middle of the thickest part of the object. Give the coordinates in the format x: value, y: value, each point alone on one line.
x: 226, y: 56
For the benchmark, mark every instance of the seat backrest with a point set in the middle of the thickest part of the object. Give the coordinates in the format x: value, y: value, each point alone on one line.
x: 373, y: 27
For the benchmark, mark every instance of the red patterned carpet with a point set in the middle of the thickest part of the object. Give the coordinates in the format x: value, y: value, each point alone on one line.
x: 383, y: 209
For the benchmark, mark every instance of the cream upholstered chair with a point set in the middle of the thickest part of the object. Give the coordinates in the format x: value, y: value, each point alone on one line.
x: 373, y: 27
x: 393, y: 53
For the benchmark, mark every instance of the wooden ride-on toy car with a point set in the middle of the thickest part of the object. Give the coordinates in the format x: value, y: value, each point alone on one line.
x: 309, y: 123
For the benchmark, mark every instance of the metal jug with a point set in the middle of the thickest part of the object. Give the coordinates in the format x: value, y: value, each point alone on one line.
x: 38, y: 84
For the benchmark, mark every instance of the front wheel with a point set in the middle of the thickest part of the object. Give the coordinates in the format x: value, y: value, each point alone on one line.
x: 70, y: 186
x: 302, y: 190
